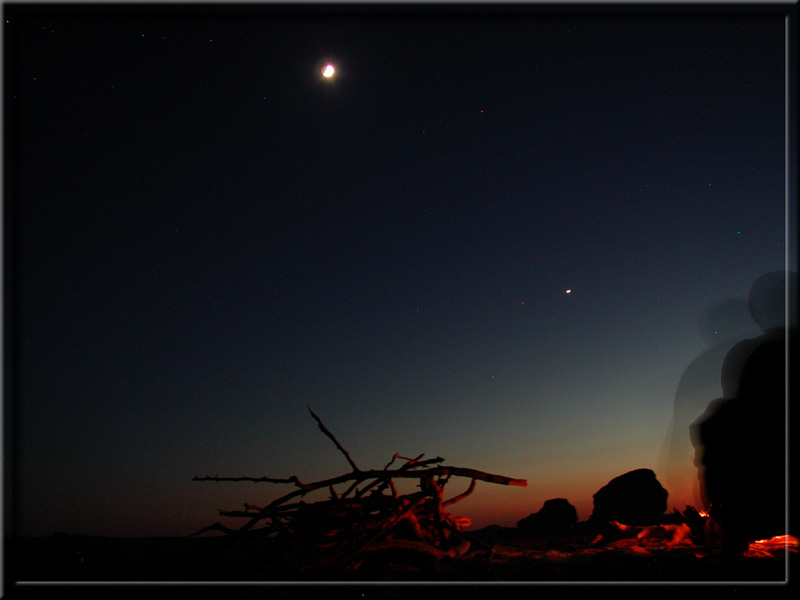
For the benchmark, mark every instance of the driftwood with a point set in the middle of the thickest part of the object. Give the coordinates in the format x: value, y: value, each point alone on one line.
x: 368, y: 517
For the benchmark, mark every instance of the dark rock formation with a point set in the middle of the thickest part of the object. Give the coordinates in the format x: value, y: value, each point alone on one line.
x: 635, y: 498
x: 557, y: 516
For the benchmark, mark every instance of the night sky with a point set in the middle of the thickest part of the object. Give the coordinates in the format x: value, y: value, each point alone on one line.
x: 493, y: 237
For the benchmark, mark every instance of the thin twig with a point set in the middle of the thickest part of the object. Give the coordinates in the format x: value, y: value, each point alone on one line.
x: 253, y: 479
x: 391, y: 462
x: 324, y: 430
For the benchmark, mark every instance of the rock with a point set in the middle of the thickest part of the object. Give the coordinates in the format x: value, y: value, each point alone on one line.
x: 635, y: 498
x: 557, y: 516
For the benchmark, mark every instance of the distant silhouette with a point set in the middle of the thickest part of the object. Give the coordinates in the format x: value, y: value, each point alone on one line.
x: 740, y: 440
x: 721, y: 325
x: 557, y: 516
x: 633, y: 498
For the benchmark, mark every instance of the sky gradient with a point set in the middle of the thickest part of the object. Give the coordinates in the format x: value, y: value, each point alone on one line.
x: 207, y: 236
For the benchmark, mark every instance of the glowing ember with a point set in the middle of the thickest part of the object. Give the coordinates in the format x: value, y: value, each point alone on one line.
x: 773, y: 546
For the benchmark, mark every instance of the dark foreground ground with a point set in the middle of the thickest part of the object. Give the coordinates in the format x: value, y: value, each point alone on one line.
x: 497, y: 563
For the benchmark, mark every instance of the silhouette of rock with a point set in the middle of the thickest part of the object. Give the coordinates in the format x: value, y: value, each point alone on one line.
x: 635, y: 498
x: 557, y: 516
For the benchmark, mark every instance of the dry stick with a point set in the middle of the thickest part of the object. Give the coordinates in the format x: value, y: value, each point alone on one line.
x: 414, y: 522
x: 474, y: 474
x: 440, y: 471
x: 389, y: 464
x: 413, y: 463
x: 324, y: 430
x: 288, y: 509
x: 389, y: 524
x: 361, y: 476
x: 292, y: 479
x: 422, y: 463
x: 460, y: 496
x: 369, y: 474
x: 350, y: 489
x: 410, y: 464
x: 438, y: 516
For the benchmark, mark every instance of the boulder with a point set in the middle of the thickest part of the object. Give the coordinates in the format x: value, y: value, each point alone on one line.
x: 635, y: 498
x: 556, y: 516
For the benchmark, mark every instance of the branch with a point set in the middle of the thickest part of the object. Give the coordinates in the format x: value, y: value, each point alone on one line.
x: 440, y: 471
x: 444, y: 471
x: 460, y: 496
x: 410, y: 464
x: 324, y: 430
x: 292, y: 479
x: 411, y: 503
x: 402, y: 472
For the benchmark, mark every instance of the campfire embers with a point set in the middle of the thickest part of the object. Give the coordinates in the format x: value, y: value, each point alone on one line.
x: 691, y: 529
x: 775, y: 546
x: 640, y: 539
x: 367, y: 517
x: 696, y: 520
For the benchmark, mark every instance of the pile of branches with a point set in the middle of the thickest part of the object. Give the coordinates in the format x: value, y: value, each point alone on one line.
x: 368, y: 516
